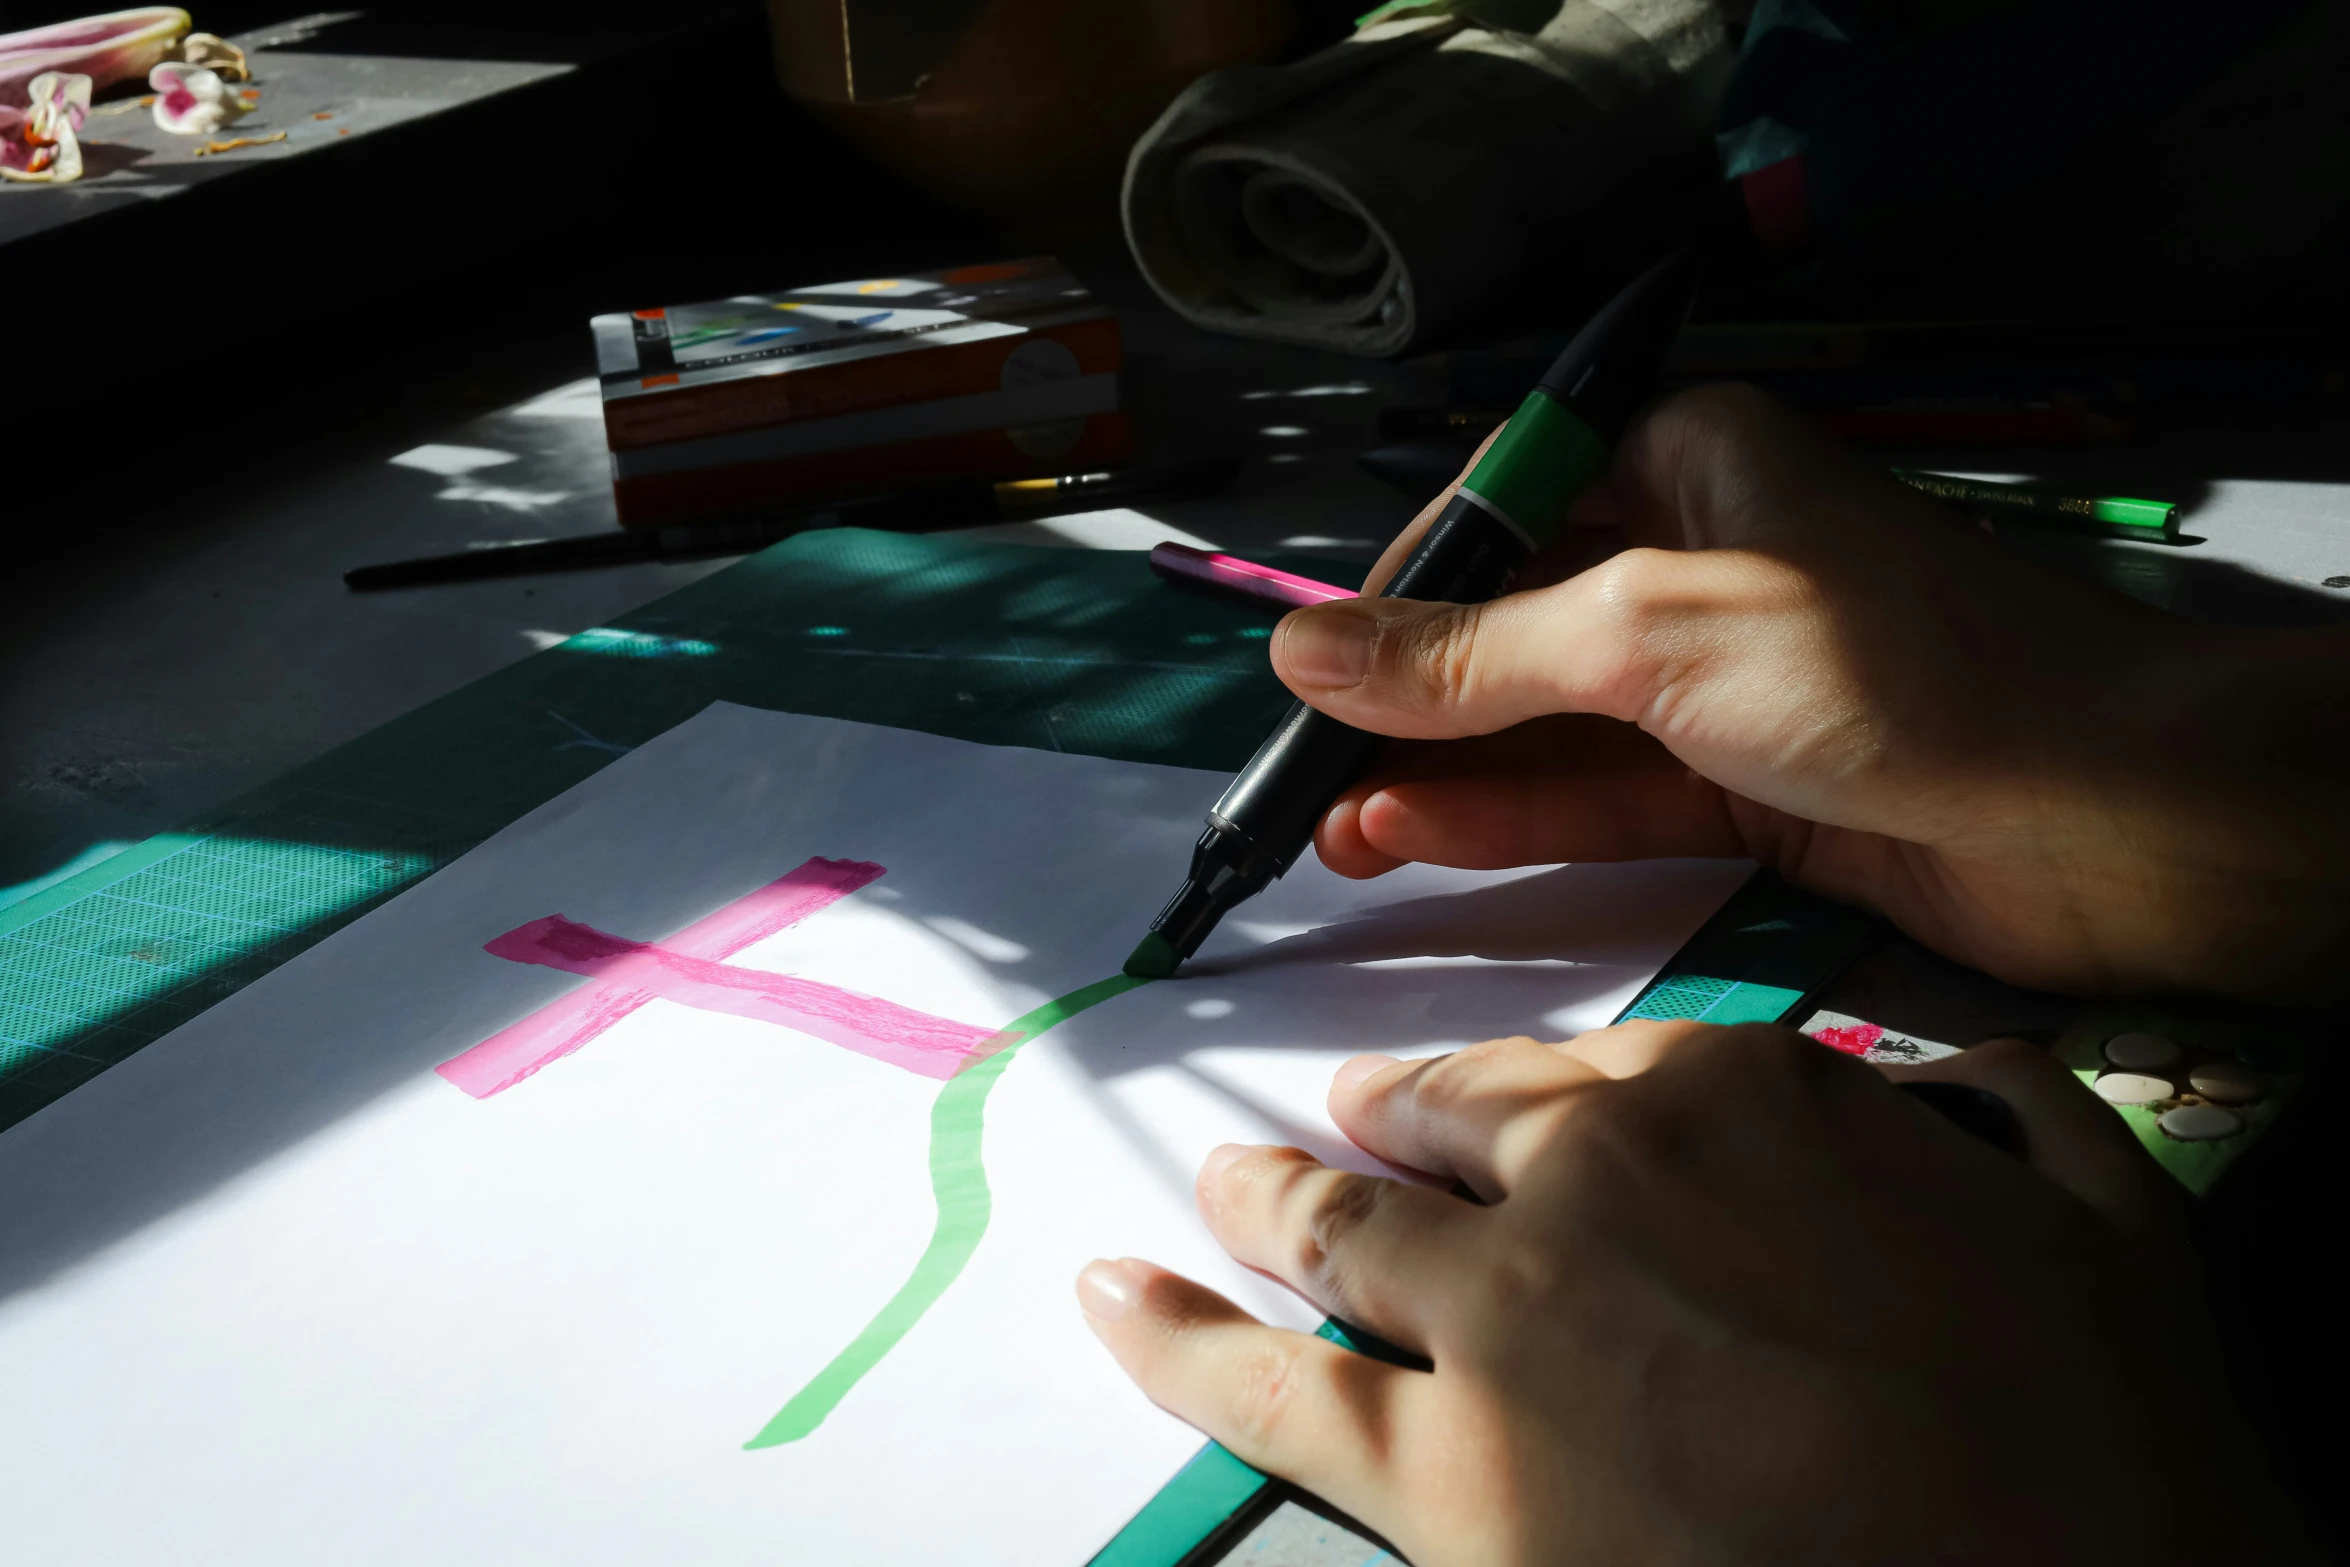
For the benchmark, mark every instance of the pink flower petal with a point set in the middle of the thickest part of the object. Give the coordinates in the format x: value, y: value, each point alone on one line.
x: 118, y: 47
x: 40, y: 144
x: 192, y: 101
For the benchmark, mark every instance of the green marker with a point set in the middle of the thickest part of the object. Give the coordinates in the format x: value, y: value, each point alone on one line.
x: 1511, y: 504
x: 2110, y: 516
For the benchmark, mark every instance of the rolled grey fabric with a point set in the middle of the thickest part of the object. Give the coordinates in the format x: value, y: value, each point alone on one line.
x: 1378, y: 194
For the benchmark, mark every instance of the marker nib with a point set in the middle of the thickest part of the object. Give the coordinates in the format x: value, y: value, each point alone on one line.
x: 1156, y: 958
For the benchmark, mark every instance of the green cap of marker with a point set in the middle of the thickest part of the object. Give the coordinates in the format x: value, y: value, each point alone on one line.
x: 2122, y: 512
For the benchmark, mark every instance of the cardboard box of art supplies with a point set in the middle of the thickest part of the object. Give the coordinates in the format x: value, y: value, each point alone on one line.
x: 1003, y: 371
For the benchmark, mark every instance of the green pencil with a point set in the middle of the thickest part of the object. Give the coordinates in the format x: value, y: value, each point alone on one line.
x: 2109, y: 516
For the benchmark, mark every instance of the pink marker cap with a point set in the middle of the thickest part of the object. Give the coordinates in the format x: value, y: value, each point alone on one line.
x: 1182, y: 563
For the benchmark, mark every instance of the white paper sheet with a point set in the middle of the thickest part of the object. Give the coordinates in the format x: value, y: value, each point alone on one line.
x: 273, y: 1291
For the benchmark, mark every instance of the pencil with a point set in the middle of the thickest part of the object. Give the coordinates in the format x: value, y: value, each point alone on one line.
x: 1987, y: 421
x: 920, y: 511
x: 2108, y: 516
x: 1432, y: 439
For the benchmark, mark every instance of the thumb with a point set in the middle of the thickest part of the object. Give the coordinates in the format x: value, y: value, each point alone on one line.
x: 1606, y: 641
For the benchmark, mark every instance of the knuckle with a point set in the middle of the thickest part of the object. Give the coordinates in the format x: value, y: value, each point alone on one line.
x: 1759, y: 1056
x: 1437, y: 652
x: 1633, y: 1133
x: 1787, y: 1050
x: 1794, y: 1078
x: 2007, y: 1052
x: 1724, y: 406
x: 1611, y: 1131
x: 1627, y: 1135
x: 1489, y: 1053
x: 1343, y: 1205
x: 1640, y: 602
x: 2003, y: 1065
x: 1267, y: 1171
x: 1704, y: 423
x: 1634, y: 586
x: 1265, y: 1386
x: 1524, y: 1283
x: 1660, y: 1034
x: 1449, y: 1081
x: 1248, y: 1181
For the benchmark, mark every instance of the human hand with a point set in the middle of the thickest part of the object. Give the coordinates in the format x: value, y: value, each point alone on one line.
x: 1732, y: 1299
x: 1803, y: 661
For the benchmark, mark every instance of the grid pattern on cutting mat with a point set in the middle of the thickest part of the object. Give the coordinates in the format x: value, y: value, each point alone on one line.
x: 95, y: 980
x: 1682, y: 996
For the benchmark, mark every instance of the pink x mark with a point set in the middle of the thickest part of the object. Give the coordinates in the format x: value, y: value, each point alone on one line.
x: 689, y: 968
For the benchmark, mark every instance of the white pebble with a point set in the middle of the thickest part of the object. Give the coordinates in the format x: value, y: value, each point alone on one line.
x: 2133, y: 1088
x: 2225, y: 1083
x: 2200, y: 1123
x: 2141, y: 1052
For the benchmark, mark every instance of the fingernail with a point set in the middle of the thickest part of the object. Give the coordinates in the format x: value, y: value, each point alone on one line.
x: 1327, y: 647
x: 1106, y: 1291
x: 1221, y: 1159
x: 1359, y: 1068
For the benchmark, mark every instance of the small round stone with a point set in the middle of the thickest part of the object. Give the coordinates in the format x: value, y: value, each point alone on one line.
x: 2200, y: 1123
x: 2133, y: 1088
x: 2225, y: 1083
x: 2141, y: 1052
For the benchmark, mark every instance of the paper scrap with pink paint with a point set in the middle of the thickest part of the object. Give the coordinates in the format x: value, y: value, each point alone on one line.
x: 1873, y: 1041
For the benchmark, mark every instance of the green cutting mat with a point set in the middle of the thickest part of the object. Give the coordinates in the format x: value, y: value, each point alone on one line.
x: 1058, y: 649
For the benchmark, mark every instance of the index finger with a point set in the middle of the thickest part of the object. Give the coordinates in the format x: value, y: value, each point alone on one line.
x: 1725, y: 466
x: 1479, y: 1115
x: 1591, y: 535
x: 1400, y: 547
x: 1472, y: 1116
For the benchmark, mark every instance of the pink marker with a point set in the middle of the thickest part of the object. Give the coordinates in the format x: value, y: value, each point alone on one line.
x: 1187, y: 567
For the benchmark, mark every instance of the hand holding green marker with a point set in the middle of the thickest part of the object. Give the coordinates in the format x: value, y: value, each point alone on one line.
x: 1511, y: 504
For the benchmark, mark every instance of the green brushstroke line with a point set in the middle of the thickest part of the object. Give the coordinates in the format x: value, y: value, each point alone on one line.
x: 958, y: 1182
